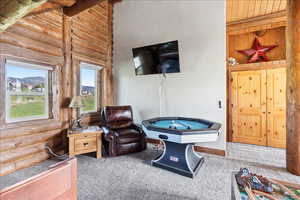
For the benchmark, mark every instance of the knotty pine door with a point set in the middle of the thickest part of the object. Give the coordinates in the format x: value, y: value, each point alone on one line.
x: 276, y: 108
x: 258, y: 107
x: 249, y: 107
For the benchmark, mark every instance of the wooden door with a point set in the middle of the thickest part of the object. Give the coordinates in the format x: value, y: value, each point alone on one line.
x: 276, y: 107
x: 248, y: 96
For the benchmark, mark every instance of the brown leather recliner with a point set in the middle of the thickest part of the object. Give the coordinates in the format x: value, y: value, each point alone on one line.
x: 121, y: 136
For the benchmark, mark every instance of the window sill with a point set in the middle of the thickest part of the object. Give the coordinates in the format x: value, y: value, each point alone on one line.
x: 29, y: 119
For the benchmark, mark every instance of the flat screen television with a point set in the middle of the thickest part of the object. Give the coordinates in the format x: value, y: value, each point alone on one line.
x: 157, y: 59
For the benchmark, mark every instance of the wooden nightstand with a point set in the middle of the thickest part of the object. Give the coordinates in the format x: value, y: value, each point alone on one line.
x: 85, y: 140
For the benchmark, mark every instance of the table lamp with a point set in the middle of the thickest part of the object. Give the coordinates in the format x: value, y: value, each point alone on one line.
x: 76, y: 103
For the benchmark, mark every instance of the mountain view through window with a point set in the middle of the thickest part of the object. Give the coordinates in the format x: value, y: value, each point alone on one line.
x: 26, y: 93
x: 88, y: 89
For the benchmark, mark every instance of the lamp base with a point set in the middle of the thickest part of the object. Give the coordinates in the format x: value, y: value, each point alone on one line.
x: 76, y: 123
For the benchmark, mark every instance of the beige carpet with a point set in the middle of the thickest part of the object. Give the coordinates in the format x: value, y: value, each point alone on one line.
x: 131, y: 177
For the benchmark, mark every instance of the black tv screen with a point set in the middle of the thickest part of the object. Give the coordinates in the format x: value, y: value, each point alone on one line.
x: 157, y: 59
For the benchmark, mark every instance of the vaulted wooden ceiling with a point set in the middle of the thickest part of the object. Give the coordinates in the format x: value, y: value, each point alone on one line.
x: 12, y: 10
x: 53, y: 4
x: 238, y: 10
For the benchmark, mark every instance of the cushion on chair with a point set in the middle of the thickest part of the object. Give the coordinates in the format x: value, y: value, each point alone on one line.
x: 128, y: 135
x: 120, y: 124
x: 129, y: 148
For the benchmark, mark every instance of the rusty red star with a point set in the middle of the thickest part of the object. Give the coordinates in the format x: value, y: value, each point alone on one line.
x: 257, y: 52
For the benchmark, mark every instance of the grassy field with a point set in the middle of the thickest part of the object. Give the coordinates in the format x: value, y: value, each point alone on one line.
x: 26, y: 106
x: 27, y: 110
x: 89, y: 103
x: 36, y: 108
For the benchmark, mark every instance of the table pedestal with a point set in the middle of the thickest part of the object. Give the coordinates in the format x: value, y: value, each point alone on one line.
x: 179, y: 158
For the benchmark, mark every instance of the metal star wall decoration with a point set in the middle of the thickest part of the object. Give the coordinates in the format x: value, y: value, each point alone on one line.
x: 257, y: 52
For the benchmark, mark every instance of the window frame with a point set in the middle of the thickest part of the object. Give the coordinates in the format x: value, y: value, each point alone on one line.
x: 47, y: 93
x: 97, y: 68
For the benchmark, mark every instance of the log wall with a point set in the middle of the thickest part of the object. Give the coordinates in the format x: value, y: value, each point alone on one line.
x: 293, y: 88
x: 91, y: 38
x: 54, y: 39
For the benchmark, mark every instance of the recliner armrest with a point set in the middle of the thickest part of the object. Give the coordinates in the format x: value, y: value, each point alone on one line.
x: 138, y: 128
x: 109, y: 134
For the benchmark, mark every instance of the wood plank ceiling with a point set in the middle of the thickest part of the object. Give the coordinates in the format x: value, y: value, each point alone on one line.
x: 13, y: 10
x: 238, y: 10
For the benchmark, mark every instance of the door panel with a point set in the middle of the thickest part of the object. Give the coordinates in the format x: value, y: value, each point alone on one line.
x: 249, y: 107
x: 276, y: 104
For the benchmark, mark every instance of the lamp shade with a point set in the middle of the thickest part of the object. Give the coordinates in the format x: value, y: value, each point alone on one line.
x: 76, y: 102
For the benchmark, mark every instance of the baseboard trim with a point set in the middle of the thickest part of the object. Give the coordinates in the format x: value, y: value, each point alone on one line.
x: 218, y: 152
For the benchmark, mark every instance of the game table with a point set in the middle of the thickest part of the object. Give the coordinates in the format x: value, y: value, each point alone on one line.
x: 179, y: 134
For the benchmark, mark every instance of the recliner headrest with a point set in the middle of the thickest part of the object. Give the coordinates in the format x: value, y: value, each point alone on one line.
x: 118, y: 115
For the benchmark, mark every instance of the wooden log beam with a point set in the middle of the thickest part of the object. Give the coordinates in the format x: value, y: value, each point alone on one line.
x: 12, y: 10
x: 48, y: 6
x: 52, y: 5
x: 109, y: 74
x: 80, y: 6
x: 258, y: 18
x: 293, y: 87
x: 63, y: 3
x: 257, y: 23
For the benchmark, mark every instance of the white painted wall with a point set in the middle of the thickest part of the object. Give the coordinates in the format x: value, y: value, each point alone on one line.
x: 199, y: 26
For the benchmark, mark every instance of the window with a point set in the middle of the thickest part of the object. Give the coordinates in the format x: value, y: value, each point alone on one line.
x: 89, y: 87
x: 27, y: 92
